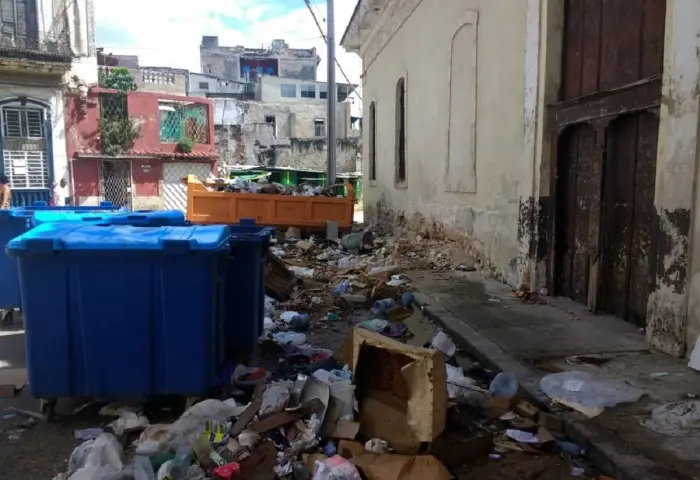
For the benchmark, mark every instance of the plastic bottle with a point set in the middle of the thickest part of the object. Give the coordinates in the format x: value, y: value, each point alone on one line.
x: 342, y: 288
x: 180, y: 464
x: 504, y: 385
x: 407, y: 299
x: 300, y: 323
x: 383, y: 305
x: 568, y: 448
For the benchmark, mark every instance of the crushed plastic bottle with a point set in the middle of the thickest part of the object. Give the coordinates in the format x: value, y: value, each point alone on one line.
x: 504, y: 385
x: 383, y: 305
x: 342, y: 288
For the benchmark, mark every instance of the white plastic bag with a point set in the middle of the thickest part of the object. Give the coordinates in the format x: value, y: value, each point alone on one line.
x: 336, y: 468
x: 96, y: 459
x: 586, y: 393
x: 276, y: 398
x: 194, y: 420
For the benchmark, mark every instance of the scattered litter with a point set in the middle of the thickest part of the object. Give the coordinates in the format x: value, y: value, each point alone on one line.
x: 443, y: 343
x: 377, y: 445
x: 88, y: 433
x: 587, y: 393
x: 677, y: 419
x: 302, y: 271
x: 128, y: 422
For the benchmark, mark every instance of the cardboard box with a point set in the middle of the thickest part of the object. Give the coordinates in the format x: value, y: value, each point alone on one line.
x: 400, y: 467
x: 401, y: 391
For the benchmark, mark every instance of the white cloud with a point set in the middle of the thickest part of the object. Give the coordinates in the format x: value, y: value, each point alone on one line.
x: 168, y: 32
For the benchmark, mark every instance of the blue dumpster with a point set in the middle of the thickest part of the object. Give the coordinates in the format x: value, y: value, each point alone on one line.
x: 245, y: 287
x: 122, y: 311
x: 14, y: 222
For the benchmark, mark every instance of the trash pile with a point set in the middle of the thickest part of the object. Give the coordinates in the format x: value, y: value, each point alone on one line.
x: 263, y: 185
x: 378, y: 407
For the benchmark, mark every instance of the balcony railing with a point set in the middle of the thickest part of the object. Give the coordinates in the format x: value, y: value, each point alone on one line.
x: 48, y: 48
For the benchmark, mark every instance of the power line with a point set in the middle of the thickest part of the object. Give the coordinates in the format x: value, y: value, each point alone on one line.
x: 325, y: 39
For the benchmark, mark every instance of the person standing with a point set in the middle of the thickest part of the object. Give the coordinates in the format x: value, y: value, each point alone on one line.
x: 60, y: 193
x: 5, y: 193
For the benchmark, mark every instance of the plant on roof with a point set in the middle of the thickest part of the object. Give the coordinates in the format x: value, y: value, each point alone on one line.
x: 185, y: 145
x: 117, y: 78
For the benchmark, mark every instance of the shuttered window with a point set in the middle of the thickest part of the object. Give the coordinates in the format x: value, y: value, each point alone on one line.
x: 25, y: 159
x: 23, y: 122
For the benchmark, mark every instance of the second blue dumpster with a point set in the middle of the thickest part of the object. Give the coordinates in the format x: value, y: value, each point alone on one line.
x: 245, y: 287
x: 14, y: 222
x: 121, y: 311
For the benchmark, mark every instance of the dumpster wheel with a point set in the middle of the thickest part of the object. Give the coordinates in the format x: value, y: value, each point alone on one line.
x: 48, y: 409
x: 9, y: 317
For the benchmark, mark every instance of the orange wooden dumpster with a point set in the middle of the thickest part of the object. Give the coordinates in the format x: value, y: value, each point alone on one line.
x: 310, y: 213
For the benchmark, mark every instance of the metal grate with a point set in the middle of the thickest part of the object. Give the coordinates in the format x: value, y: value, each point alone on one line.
x: 174, y: 190
x: 116, y: 182
x: 23, y: 122
x: 183, y: 121
x: 25, y: 169
x: 113, y: 106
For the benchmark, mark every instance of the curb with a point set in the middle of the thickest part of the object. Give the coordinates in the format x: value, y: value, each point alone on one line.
x: 615, y: 457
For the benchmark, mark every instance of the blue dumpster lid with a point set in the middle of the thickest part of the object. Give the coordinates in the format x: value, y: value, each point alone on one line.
x: 147, y: 217
x: 45, y: 216
x: 64, y: 236
x: 11, y: 214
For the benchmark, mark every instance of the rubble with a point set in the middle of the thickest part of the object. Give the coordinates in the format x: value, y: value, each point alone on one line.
x: 377, y: 407
x: 263, y: 185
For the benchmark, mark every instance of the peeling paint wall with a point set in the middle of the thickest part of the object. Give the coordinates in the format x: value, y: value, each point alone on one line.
x: 485, y: 214
x: 242, y: 134
x: 224, y: 62
x: 673, y: 320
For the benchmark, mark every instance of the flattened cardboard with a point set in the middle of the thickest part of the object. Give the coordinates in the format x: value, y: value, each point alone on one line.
x: 401, y: 390
x: 12, y: 380
x: 400, y: 467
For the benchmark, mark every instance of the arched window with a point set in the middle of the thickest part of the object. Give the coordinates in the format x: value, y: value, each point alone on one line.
x: 401, y: 131
x: 25, y: 149
x: 372, y: 141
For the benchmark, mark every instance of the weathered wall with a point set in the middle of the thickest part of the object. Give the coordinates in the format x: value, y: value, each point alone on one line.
x: 673, y: 321
x: 293, y: 119
x: 224, y: 62
x: 82, y: 120
x: 465, y: 95
x: 241, y: 131
x: 236, y: 145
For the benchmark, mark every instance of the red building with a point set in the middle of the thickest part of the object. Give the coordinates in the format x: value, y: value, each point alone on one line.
x: 133, y: 149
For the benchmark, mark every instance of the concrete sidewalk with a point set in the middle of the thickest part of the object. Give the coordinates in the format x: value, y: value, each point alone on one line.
x: 531, y: 341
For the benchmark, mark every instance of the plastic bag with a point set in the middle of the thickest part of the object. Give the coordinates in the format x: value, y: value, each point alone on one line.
x: 193, y: 421
x: 101, y: 459
x: 105, y: 450
x: 586, y: 393
x: 289, y: 338
x: 336, y: 468
x: 276, y: 398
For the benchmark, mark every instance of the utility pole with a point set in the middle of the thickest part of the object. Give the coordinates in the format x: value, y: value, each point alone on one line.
x: 332, y: 94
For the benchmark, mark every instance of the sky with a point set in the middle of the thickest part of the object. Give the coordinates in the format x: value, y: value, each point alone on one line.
x: 168, y: 32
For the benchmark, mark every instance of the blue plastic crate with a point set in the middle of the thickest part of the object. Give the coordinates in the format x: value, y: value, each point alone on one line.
x: 14, y: 222
x: 245, y: 287
x: 122, y: 311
